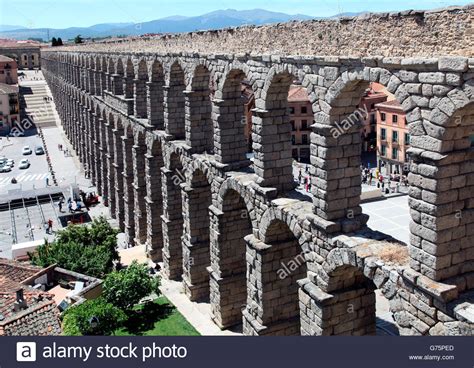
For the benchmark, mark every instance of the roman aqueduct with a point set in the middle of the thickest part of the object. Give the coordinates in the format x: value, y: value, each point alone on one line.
x: 157, y: 123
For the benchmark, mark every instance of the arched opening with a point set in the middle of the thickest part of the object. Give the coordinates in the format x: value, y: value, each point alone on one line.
x: 110, y: 76
x: 196, y: 238
x: 199, y: 128
x: 139, y: 187
x: 155, y: 97
x: 140, y: 91
x: 276, y: 267
x: 228, y: 277
x: 273, y: 153
x: 175, y: 102
x: 352, y: 309
x: 128, y: 85
x: 173, y: 177
x: 231, y: 143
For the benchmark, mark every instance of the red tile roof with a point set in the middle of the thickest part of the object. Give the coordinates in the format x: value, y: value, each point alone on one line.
x: 39, y: 317
x: 297, y: 94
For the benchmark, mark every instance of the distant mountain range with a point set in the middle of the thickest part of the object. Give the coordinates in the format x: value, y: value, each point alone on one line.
x: 174, y: 24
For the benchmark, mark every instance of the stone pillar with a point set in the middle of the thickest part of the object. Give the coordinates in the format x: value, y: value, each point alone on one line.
x: 273, y: 151
x: 118, y: 175
x: 90, y: 145
x: 335, y: 175
x: 98, y: 157
x: 155, y: 111
x: 116, y: 84
x: 129, y: 202
x: 228, y: 287
x: 111, y: 170
x: 139, y: 188
x: 172, y: 226
x: 140, y: 93
x: 349, y: 311
x: 199, y: 130
x: 196, y: 243
x: 104, y: 188
x: 154, y: 201
x: 174, y: 112
x: 128, y: 86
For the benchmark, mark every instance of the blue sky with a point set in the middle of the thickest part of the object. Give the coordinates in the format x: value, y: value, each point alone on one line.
x: 69, y: 13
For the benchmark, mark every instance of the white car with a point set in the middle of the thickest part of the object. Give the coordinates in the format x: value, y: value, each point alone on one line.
x: 24, y: 164
x: 10, y: 162
x: 27, y: 150
x: 5, y: 168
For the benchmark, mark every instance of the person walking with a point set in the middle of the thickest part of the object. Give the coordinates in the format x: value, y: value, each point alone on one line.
x: 50, y: 226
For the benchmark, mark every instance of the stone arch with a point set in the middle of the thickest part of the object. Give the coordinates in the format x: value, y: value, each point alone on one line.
x: 199, y: 126
x: 129, y: 79
x: 140, y: 84
x: 273, y: 274
x: 229, y: 117
x: 271, y: 124
x: 139, y: 184
x: 175, y: 102
x: 336, y: 144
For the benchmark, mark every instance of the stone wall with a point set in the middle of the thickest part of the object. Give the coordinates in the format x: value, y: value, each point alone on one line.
x: 446, y: 31
x: 229, y: 224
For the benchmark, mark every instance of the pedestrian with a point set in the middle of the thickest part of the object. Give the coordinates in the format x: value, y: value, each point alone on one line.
x: 371, y: 176
x: 60, y: 205
x: 47, y: 181
x: 50, y: 226
x: 69, y: 206
x: 306, y: 170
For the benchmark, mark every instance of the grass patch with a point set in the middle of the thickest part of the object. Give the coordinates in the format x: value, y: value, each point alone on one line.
x: 159, y: 318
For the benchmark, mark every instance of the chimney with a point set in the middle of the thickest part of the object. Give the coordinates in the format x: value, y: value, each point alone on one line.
x: 20, y: 302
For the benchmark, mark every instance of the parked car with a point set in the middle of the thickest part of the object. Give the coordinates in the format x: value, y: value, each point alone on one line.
x: 3, y: 160
x: 27, y: 150
x: 5, y: 168
x: 39, y: 150
x: 10, y: 162
x: 24, y: 164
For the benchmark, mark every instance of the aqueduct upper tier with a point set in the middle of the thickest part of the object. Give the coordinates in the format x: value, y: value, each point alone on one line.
x: 161, y: 134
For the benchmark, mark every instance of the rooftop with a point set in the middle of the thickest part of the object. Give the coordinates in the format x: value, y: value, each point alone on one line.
x: 6, y: 59
x: 25, y: 310
x: 298, y: 94
x: 8, y: 89
x: 8, y: 43
x: 393, y: 104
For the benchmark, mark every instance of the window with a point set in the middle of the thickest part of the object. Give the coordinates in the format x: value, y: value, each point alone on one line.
x: 472, y: 140
x: 293, y: 126
x: 395, y: 136
x: 383, y: 134
x: 372, y: 119
x: 304, y: 124
x: 394, y: 118
x: 394, y: 154
x: 383, y: 150
x: 372, y: 106
x: 407, y: 139
x: 383, y: 117
x: 293, y: 140
x: 292, y: 110
x: 294, y: 153
x: 304, y: 139
x: 304, y: 110
x: 25, y: 57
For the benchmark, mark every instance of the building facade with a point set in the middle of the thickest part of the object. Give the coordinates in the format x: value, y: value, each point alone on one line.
x: 301, y: 119
x: 9, y: 108
x: 369, y: 125
x: 27, y: 54
x: 393, y: 139
x: 8, y: 70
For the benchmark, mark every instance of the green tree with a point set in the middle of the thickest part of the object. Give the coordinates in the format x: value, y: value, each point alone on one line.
x: 126, y: 287
x: 54, y: 42
x: 93, y: 317
x: 78, y: 39
x: 60, y: 42
x: 85, y: 249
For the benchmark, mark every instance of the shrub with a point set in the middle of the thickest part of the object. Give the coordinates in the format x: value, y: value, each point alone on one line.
x: 90, y: 250
x: 93, y: 317
x: 126, y: 287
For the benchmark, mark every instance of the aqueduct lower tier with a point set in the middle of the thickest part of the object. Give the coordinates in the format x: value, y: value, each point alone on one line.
x: 162, y: 138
